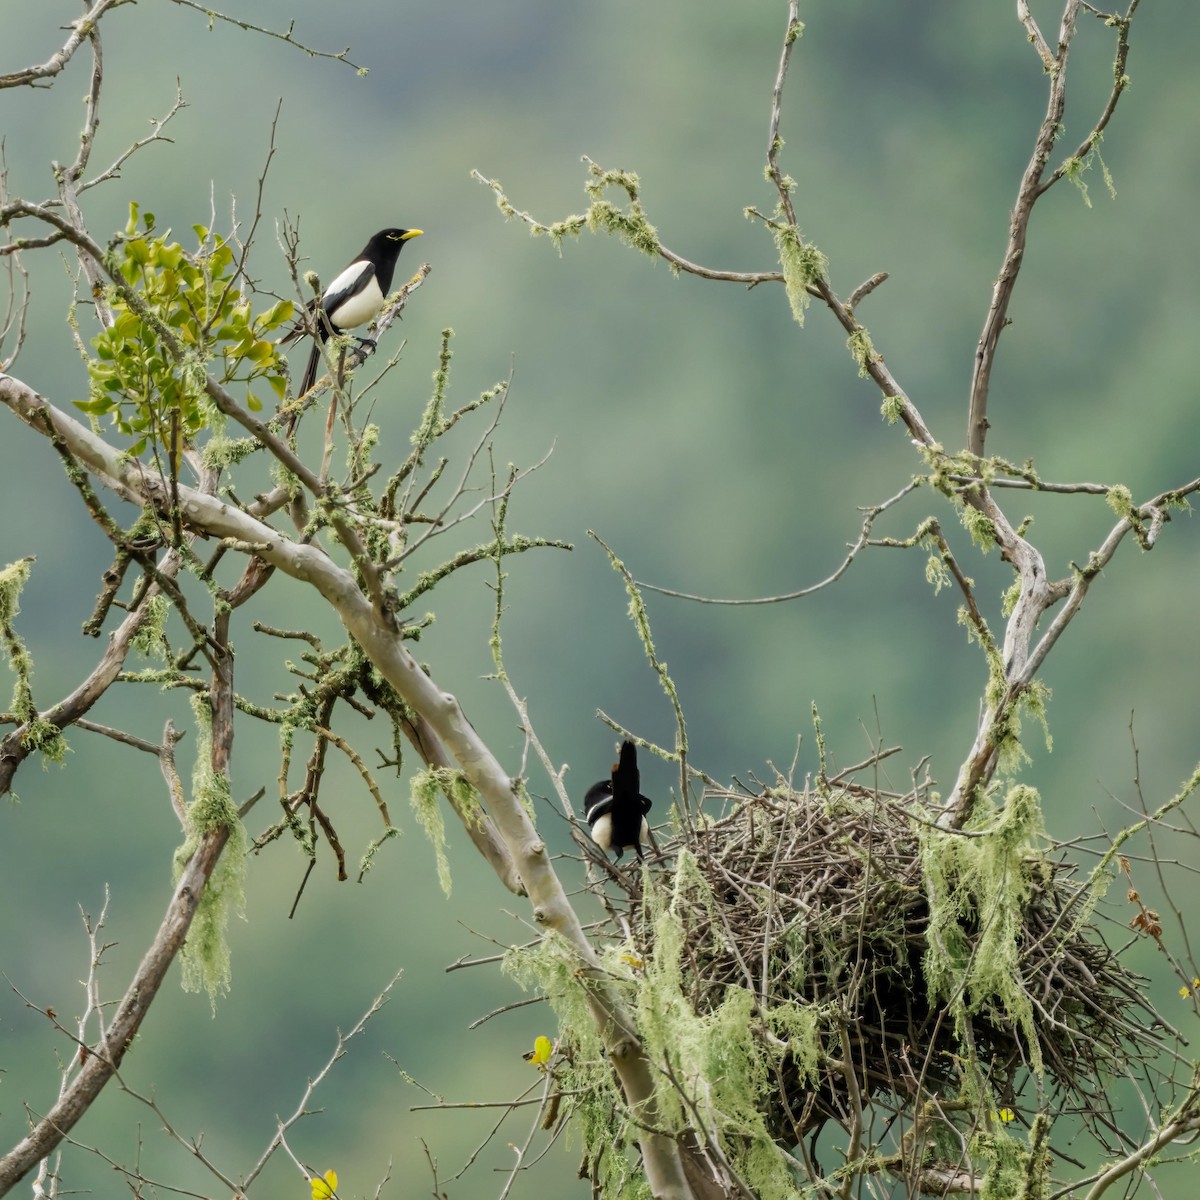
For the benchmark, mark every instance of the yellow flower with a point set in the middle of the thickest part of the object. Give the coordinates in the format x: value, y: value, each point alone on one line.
x: 324, y: 1187
x: 1185, y: 991
x: 1006, y: 1115
x: 540, y: 1054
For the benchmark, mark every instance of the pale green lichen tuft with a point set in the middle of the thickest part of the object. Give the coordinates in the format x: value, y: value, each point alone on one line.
x: 1008, y: 601
x: 368, y: 859
x: 937, y: 574
x: 220, y: 453
x: 1073, y: 168
x: 205, y: 957
x: 978, y: 887
x: 863, y: 351
x: 631, y: 227
x: 150, y: 639
x: 1006, y: 1161
x: 1120, y: 499
x: 979, y: 526
x: 40, y: 735
x: 425, y: 796
x: 803, y: 265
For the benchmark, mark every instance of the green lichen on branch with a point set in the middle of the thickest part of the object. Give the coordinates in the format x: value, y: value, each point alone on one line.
x: 714, y: 1068
x: 980, y: 526
x: 629, y: 222
x: 40, y: 734
x: 803, y: 266
x: 205, y: 957
x: 571, y: 226
x: 1030, y: 700
x: 641, y: 622
x: 864, y: 353
x: 150, y: 639
x: 892, y: 408
x: 727, y: 1058
x: 1120, y: 499
x: 597, y: 1107
x: 978, y: 887
x: 425, y: 796
x: 1074, y: 168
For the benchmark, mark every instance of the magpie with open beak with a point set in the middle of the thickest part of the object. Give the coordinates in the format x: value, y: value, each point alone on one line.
x: 615, y: 808
x: 353, y: 298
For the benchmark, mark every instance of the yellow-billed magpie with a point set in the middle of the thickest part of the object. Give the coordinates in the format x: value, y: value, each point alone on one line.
x: 615, y: 808
x: 353, y: 298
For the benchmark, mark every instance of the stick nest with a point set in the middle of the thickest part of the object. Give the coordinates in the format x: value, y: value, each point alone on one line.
x: 826, y: 898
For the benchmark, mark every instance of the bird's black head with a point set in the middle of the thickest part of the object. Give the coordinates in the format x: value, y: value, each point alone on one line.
x: 394, y: 238
x: 383, y: 249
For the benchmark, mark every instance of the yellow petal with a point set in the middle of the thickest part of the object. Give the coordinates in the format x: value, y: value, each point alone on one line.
x: 323, y: 1188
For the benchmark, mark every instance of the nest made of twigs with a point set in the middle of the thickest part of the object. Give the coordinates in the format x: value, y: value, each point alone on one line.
x: 819, y: 897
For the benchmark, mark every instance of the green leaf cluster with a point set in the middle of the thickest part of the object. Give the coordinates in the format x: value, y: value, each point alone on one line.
x: 177, y: 317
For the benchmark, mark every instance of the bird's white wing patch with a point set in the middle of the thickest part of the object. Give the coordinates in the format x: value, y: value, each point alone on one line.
x: 354, y: 297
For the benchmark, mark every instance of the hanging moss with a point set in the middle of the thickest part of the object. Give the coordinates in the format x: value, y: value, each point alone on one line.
x: 205, y: 957
x: 40, y: 735
x: 803, y: 265
x: 863, y: 350
x: 978, y: 888
x: 598, y: 1110
x: 425, y: 796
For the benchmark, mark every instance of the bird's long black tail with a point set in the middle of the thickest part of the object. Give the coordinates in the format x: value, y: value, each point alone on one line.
x: 310, y: 377
x: 310, y: 371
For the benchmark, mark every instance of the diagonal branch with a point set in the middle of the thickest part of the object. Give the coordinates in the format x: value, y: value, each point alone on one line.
x: 386, y: 648
x: 81, y: 28
x: 1055, y: 64
x: 106, y: 1055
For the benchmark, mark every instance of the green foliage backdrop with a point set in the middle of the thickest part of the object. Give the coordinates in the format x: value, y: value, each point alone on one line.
x: 715, y: 445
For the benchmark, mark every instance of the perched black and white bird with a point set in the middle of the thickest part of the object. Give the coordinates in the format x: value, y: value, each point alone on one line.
x: 353, y: 298
x: 615, y: 808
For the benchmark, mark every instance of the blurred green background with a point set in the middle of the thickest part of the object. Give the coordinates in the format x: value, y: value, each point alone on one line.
x: 716, y: 446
